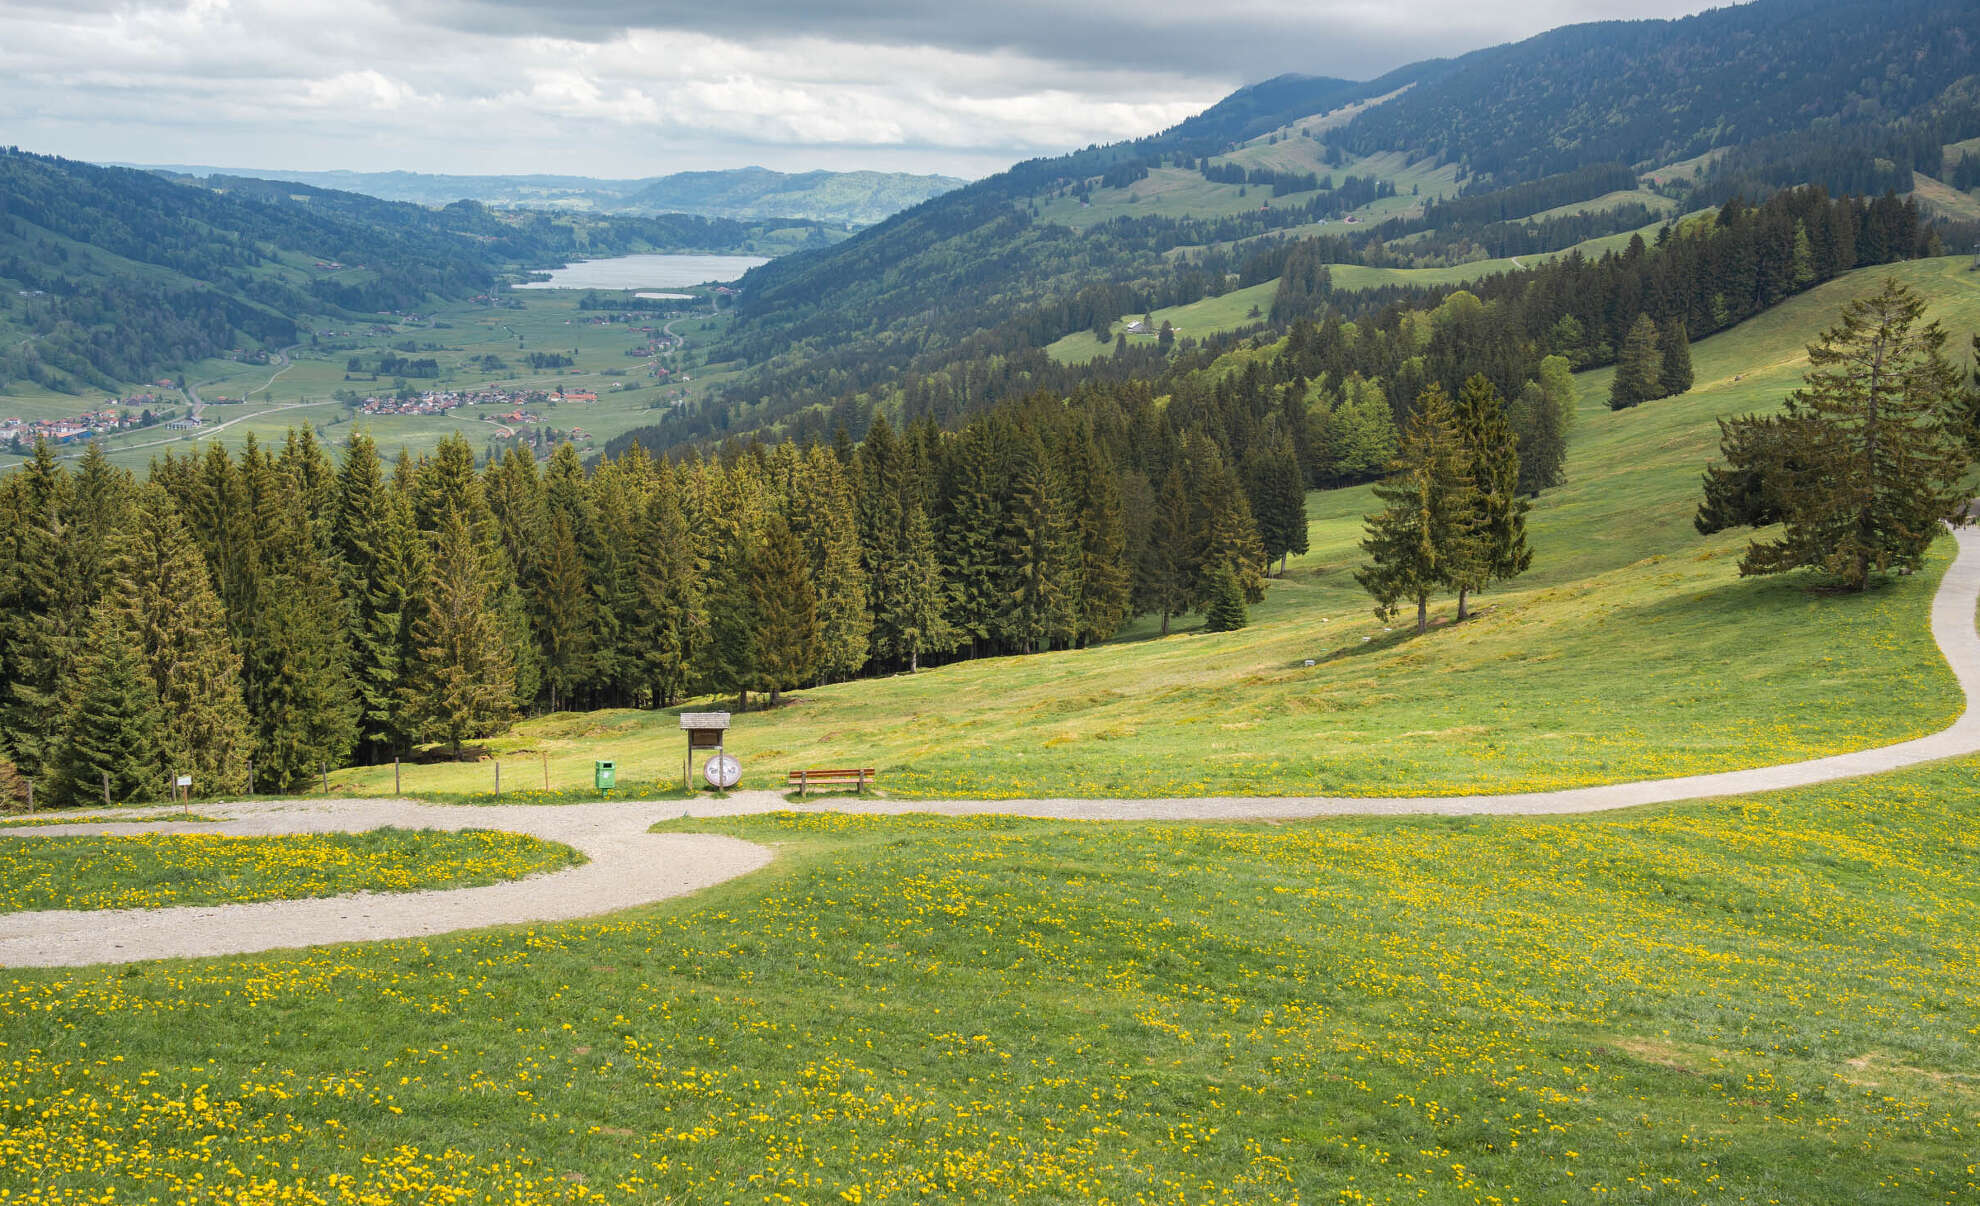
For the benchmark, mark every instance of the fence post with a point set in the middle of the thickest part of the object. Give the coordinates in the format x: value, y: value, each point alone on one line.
x: 546, y: 770
x: 106, y: 789
x: 498, y: 778
x: 395, y: 774
x: 250, y: 776
x: 326, y: 777
x: 30, y: 784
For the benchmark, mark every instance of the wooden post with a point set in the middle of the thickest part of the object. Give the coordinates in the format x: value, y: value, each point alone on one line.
x: 30, y: 784
x: 326, y: 778
x: 395, y: 775
x: 106, y: 789
x: 250, y: 776
x: 546, y: 770
x: 498, y: 778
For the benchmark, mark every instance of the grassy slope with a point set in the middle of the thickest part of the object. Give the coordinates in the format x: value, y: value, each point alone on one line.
x: 1722, y: 1002
x: 1633, y: 649
x: 154, y: 870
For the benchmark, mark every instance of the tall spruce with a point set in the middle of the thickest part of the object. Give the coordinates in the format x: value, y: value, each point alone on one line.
x: 168, y: 605
x: 1106, y: 579
x: 1674, y: 374
x: 107, y: 732
x: 1876, y: 444
x: 380, y: 561
x: 830, y: 526
x: 1639, y: 368
x: 1425, y: 538
x: 1278, y: 499
x: 1485, y: 430
x: 670, y: 616
x: 461, y: 684
x: 1167, y: 573
x: 789, y: 642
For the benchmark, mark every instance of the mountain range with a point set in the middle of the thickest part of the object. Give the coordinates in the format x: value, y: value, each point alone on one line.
x: 747, y: 194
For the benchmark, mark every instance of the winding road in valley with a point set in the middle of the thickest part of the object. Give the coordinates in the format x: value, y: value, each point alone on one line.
x: 629, y: 866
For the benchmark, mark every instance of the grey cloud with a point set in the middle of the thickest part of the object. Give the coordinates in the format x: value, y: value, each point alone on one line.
x: 1351, y: 38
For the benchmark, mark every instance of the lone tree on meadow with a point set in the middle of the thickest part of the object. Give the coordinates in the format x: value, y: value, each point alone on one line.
x: 1865, y: 464
x: 1427, y: 536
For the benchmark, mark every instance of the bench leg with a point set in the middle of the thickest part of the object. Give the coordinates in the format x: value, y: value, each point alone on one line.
x: 804, y: 780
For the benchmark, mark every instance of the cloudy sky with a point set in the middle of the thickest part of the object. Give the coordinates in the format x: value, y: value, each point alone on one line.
x: 627, y: 88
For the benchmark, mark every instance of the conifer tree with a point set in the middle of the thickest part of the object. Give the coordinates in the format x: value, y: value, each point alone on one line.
x: 563, y: 613
x: 725, y: 661
x: 461, y: 683
x: 1539, y: 423
x: 168, y: 605
x: 1424, y: 539
x: 298, y: 673
x: 1359, y: 433
x: 1278, y: 500
x: 1673, y: 359
x: 920, y: 617
x: 381, y: 567
x: 1875, y: 451
x: 1485, y: 431
x: 830, y: 524
x: 1174, y: 553
x: 1639, y: 369
x: 41, y: 609
x: 1225, y: 612
x: 788, y: 639
x: 978, y: 493
x: 108, y: 720
x: 670, y: 608
x: 1041, y: 554
x: 1105, y: 576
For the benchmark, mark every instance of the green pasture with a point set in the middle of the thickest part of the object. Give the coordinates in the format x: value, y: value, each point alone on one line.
x: 156, y: 870
x: 1632, y: 650
x: 1210, y: 316
x: 1728, y: 1001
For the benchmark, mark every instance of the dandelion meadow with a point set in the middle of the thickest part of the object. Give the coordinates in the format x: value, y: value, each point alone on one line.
x: 153, y: 870
x: 1727, y: 1001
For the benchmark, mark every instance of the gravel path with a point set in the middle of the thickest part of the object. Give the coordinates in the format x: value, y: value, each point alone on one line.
x: 628, y: 866
x: 631, y: 867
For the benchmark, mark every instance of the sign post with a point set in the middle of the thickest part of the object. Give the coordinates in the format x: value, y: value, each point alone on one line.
x: 705, y: 731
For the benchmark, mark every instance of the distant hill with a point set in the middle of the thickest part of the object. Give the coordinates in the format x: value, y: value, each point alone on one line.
x: 111, y: 275
x: 848, y: 198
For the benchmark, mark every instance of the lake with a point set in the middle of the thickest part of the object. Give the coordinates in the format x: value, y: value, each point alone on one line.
x: 648, y: 272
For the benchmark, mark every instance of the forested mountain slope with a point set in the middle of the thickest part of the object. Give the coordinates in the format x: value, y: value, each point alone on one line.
x: 1578, y: 134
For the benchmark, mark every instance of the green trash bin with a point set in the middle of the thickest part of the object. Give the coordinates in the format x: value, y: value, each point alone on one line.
x: 602, y: 774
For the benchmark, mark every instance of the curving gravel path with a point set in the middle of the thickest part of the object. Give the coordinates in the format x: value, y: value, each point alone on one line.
x: 630, y: 866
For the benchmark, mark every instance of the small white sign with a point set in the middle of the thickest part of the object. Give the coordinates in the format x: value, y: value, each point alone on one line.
x: 722, y: 771
x: 184, y: 781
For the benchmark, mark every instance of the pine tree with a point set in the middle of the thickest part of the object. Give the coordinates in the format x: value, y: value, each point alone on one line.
x: 789, y: 643
x: 726, y: 661
x: 1673, y: 359
x: 977, y: 490
x: 1639, y: 370
x: 108, y: 720
x: 168, y: 605
x: 298, y: 672
x: 1225, y: 612
x: 41, y: 613
x: 563, y: 613
x: 1876, y: 451
x: 1541, y: 442
x: 461, y: 683
x: 1493, y: 454
x: 1041, y: 554
x: 1278, y: 500
x: 1425, y: 537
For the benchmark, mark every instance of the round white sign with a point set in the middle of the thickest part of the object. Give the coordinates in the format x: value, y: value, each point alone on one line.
x: 722, y: 771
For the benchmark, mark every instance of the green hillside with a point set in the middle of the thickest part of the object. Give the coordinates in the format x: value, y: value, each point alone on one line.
x: 1588, y: 670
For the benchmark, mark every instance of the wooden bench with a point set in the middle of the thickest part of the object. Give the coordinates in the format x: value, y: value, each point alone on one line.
x: 855, y: 777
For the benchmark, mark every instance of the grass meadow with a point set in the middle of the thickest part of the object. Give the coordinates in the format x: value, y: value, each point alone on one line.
x: 1731, y: 1001
x: 155, y: 869
x: 1632, y: 649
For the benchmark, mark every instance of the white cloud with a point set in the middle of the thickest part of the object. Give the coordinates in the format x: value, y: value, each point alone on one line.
x: 581, y: 86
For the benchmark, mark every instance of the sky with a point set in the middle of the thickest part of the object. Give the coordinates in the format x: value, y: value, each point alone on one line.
x: 620, y: 88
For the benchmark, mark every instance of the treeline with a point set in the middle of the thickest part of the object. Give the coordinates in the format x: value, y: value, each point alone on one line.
x: 1280, y: 182
x: 1478, y: 207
